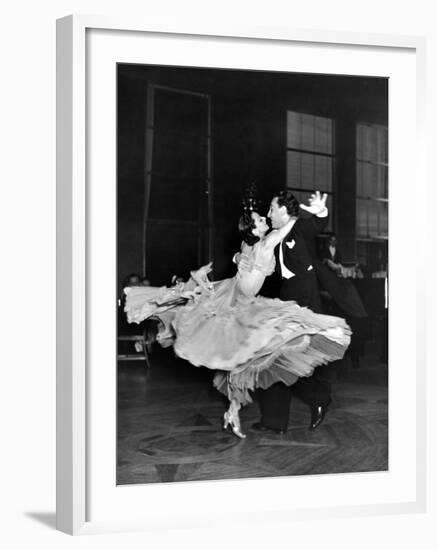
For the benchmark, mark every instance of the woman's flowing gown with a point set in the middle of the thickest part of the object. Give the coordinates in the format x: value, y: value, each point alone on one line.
x: 250, y: 340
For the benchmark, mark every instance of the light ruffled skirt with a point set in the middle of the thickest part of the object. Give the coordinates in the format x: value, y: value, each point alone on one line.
x: 253, y: 342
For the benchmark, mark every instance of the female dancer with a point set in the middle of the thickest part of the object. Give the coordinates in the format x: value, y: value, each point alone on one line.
x: 250, y: 340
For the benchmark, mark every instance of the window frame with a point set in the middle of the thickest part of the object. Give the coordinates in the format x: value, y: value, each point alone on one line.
x: 331, y: 227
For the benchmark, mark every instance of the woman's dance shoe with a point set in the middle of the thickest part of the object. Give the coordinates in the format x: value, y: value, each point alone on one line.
x: 234, y: 423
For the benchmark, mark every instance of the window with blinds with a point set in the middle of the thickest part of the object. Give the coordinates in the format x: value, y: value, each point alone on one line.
x: 310, y: 156
x: 372, y: 181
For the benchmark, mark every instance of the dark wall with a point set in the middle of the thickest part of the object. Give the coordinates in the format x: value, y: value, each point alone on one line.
x: 130, y: 176
x: 249, y: 143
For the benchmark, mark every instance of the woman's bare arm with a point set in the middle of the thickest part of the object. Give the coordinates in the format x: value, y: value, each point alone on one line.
x: 276, y: 236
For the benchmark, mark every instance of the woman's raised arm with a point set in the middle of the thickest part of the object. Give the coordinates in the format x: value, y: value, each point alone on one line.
x: 276, y: 236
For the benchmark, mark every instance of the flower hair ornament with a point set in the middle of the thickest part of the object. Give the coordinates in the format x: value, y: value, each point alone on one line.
x: 250, y: 202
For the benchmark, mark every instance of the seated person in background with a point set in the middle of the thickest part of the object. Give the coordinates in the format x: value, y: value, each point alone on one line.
x: 331, y: 255
x: 144, y: 281
x: 340, y: 295
x: 132, y: 280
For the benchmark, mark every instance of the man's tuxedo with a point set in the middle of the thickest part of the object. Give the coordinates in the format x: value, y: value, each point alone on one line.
x: 297, y: 256
x: 327, y: 254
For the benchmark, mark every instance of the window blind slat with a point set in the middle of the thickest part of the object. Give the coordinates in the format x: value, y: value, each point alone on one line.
x: 311, y: 134
x: 372, y: 180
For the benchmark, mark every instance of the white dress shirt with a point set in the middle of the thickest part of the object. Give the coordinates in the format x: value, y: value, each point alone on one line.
x: 285, y: 272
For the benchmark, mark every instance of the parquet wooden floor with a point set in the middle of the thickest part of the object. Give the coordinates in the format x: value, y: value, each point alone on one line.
x: 170, y: 427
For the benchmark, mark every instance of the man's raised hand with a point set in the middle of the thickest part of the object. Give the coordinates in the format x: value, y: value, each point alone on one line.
x: 317, y: 203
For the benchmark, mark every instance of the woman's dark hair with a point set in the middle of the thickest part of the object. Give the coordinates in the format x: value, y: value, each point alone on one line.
x: 287, y: 199
x: 245, y: 227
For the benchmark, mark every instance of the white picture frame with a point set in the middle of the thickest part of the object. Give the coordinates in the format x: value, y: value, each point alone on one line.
x: 76, y: 236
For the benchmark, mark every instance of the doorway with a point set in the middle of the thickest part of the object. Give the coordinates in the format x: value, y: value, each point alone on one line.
x: 177, y: 230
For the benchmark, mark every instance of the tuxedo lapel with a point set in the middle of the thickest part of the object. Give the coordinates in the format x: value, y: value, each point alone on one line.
x: 284, y: 251
x: 289, y: 237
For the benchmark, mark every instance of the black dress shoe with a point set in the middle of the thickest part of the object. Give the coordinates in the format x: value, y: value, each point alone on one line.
x: 318, y: 414
x: 259, y: 427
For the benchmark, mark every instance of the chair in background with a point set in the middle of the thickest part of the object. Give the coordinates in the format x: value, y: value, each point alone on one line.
x: 134, y: 342
x: 140, y: 351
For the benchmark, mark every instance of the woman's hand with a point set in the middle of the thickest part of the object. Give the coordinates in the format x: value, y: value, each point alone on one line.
x: 200, y: 277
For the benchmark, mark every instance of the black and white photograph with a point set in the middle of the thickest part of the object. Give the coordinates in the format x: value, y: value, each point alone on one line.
x: 218, y: 285
x: 252, y: 274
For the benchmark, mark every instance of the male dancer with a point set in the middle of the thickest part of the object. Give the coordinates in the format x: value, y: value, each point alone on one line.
x: 298, y: 283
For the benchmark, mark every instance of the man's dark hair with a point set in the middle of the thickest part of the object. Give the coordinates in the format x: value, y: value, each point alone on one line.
x: 245, y: 227
x: 287, y: 199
